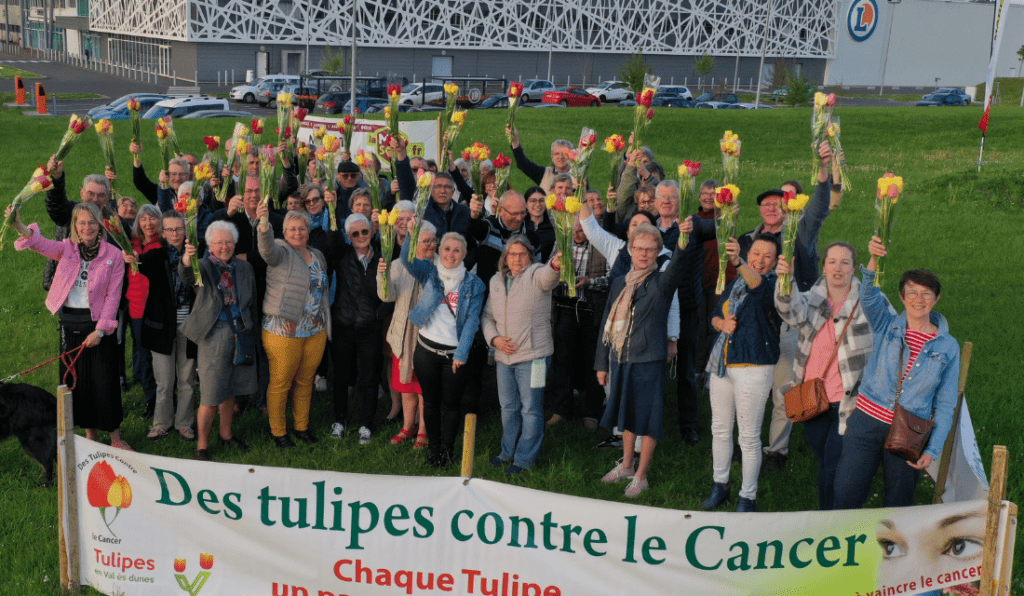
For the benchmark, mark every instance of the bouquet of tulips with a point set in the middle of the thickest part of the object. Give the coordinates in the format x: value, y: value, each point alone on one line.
x: 242, y: 151
x: 188, y: 207
x: 580, y: 162
x: 364, y: 160
x: 615, y: 146
x: 391, y: 111
x: 210, y: 157
x: 725, y: 227
x: 168, y: 142
x: 730, y: 145
x: 821, y: 117
x: 515, y: 94
x: 832, y: 136
x: 563, y: 215
x: 890, y: 187
x: 268, y: 181
x: 451, y: 96
x: 284, y: 116
x: 387, y: 222
x: 346, y: 126
x: 105, y: 132
x: 117, y: 233
x: 688, y: 173
x: 298, y: 117
x: 230, y: 155
x: 502, y: 170
x: 257, y: 131
x: 302, y: 153
x: 473, y: 155
x: 793, y: 207
x: 135, y: 114
x: 423, y: 186
x: 642, y: 116
x: 39, y: 182
x: 451, y: 132
x: 75, y: 129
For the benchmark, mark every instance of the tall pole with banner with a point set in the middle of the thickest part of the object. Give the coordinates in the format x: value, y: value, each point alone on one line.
x: 1001, y: 6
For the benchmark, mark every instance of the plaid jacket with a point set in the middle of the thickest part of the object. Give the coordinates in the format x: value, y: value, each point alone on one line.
x: 807, y: 312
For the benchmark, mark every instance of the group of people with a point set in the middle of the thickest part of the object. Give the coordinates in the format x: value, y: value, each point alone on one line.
x: 285, y: 303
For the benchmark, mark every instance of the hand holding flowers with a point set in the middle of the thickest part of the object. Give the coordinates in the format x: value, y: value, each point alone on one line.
x: 423, y: 186
x: 387, y: 222
x: 39, y: 182
x: 792, y: 206
x: 688, y: 172
x: 890, y: 187
x: 563, y: 212
x: 730, y: 145
x: 726, y: 198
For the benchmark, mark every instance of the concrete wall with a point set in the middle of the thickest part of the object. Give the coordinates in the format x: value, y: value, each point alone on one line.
x: 928, y: 40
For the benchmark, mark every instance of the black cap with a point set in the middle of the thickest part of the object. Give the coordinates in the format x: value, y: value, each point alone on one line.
x: 348, y: 166
x: 768, y: 193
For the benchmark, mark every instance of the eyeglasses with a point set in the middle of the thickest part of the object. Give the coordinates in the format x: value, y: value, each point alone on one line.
x: 644, y: 249
x: 348, y: 175
x: 428, y: 241
x: 175, y: 230
x: 312, y: 200
x: 444, y: 187
x: 178, y: 174
x: 222, y: 243
x: 96, y: 195
x: 297, y: 230
x: 769, y: 205
x: 536, y: 201
x: 515, y: 213
x: 359, y: 233
x: 914, y: 295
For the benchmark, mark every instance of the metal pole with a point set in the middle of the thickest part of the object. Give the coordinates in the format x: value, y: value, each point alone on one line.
x: 352, y: 94
x: 736, y: 74
x: 888, y: 40
x: 764, y: 49
x: 306, y: 57
x: 550, y: 50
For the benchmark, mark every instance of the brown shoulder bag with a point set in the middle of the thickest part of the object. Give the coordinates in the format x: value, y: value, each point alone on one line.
x: 808, y: 399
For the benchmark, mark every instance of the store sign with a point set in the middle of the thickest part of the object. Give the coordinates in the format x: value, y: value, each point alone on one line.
x: 862, y: 19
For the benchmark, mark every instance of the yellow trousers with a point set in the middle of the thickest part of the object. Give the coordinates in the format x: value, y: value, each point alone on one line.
x: 293, y: 364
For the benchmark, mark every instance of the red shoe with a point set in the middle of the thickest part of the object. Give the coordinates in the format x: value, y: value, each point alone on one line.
x: 421, y: 441
x: 401, y: 437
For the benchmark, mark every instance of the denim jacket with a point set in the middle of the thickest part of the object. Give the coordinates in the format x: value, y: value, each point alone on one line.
x: 471, y: 301
x: 931, y: 383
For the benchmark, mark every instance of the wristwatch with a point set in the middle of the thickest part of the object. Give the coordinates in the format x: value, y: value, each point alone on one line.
x: 100, y: 333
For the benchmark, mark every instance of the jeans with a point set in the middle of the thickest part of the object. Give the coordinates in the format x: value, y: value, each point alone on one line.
x: 442, y: 398
x: 781, y: 427
x: 823, y: 436
x: 738, y: 396
x: 357, y: 355
x: 142, y: 362
x: 863, y: 450
x: 576, y: 335
x: 522, y: 413
x: 168, y: 368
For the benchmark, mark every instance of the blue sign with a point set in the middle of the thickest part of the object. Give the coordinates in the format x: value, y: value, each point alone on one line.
x: 861, y: 19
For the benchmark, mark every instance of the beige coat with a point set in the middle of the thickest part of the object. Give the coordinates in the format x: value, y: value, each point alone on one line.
x: 404, y: 291
x: 522, y: 313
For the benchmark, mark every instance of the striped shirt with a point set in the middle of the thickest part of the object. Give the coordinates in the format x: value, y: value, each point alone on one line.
x: 915, y: 341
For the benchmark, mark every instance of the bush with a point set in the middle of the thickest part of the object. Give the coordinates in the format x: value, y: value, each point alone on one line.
x: 801, y: 90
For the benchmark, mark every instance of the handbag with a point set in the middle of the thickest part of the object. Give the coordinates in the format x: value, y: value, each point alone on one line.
x: 245, y: 346
x: 908, y: 434
x: 808, y: 399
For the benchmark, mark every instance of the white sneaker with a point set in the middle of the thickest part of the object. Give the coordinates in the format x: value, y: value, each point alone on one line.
x: 364, y: 435
x: 320, y: 383
x: 337, y: 431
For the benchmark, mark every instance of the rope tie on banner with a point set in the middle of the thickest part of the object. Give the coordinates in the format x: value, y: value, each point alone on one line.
x: 68, y: 358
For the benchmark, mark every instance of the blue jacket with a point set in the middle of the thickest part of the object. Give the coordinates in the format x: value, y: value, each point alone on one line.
x: 931, y: 383
x: 471, y: 301
x: 455, y: 219
x: 756, y: 340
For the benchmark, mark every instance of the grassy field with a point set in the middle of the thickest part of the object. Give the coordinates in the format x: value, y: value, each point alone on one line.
x: 952, y: 220
x: 9, y: 72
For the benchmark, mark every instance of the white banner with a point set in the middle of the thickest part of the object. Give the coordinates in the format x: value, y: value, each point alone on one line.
x: 965, y: 478
x: 369, y: 134
x: 154, y: 525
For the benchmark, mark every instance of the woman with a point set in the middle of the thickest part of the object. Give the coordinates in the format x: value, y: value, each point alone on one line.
x: 915, y: 357
x: 820, y: 316
x: 539, y: 221
x: 742, y: 360
x: 517, y: 323
x: 295, y: 321
x: 359, y: 202
x: 314, y: 198
x: 634, y: 348
x: 490, y: 182
x: 225, y: 307
x: 85, y: 294
x: 448, y: 316
x: 402, y: 337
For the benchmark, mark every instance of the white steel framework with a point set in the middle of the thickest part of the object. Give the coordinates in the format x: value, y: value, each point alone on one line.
x: 795, y: 28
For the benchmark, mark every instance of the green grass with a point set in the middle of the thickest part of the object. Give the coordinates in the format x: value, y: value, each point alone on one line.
x: 1010, y: 89
x: 952, y: 220
x: 9, y: 72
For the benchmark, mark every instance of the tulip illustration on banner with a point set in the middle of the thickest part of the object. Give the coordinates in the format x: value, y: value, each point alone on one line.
x: 105, y: 489
x: 193, y: 587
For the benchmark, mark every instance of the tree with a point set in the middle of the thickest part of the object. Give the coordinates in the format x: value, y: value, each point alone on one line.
x: 333, y: 63
x: 633, y: 71
x: 703, y: 66
x: 800, y: 90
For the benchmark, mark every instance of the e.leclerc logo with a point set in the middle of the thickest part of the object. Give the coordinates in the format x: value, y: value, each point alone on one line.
x: 861, y: 19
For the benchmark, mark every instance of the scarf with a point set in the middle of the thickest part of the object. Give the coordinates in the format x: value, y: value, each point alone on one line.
x: 620, y: 315
x: 88, y: 253
x: 451, y: 279
x: 226, y: 283
x: 716, y: 361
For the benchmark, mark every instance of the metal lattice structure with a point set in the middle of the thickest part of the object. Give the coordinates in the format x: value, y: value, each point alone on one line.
x: 795, y: 28
x: 163, y: 19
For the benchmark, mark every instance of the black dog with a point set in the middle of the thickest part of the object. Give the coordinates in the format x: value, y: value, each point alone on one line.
x: 30, y: 413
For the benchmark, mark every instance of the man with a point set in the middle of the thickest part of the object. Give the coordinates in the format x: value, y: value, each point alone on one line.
x: 640, y: 171
x: 542, y: 176
x: 146, y: 186
x: 492, y: 232
x: 346, y: 182
x: 446, y: 214
x: 577, y: 323
x: 805, y: 273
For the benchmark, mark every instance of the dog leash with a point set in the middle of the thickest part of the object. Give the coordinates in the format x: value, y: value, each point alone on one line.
x: 63, y: 357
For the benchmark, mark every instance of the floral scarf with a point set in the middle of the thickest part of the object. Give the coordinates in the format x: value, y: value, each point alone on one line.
x: 620, y: 315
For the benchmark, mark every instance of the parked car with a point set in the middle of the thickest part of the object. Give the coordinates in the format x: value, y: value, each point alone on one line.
x: 378, y: 108
x: 266, y: 93
x: 712, y: 105
x: 658, y: 99
x: 682, y: 90
x: 247, y: 92
x: 302, y: 97
x: 677, y: 101
x: 780, y: 94
x: 954, y: 91
x: 535, y: 89
x: 941, y: 99
x: 219, y: 114
x: 724, y: 98
x: 572, y: 96
x: 337, y: 103
x: 611, y: 91
x: 179, y: 107
x: 417, y: 94
x: 147, y: 100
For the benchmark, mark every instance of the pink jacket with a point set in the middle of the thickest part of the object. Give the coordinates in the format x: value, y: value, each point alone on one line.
x: 106, y: 273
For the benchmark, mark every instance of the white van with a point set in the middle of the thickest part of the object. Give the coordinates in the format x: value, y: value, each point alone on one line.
x: 247, y: 93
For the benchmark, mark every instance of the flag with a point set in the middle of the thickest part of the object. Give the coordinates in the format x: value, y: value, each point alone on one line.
x: 983, y: 124
x: 991, y: 77
x: 965, y: 478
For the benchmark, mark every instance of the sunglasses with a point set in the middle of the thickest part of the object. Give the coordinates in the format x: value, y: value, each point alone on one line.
x: 359, y: 233
x: 348, y: 175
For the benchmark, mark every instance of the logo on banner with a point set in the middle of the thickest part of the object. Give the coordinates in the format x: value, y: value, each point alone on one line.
x: 861, y: 19
x: 193, y: 587
x: 107, y: 490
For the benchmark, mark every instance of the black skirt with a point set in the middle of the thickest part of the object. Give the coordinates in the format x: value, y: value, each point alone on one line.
x: 96, y: 396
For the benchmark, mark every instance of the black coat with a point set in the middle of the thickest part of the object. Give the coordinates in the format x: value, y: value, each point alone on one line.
x: 159, y: 321
x: 355, y: 298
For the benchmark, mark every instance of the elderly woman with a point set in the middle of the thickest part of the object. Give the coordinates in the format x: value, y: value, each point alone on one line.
x: 448, y: 316
x: 357, y: 340
x: 85, y: 294
x: 296, y: 321
x: 402, y: 337
x: 634, y: 348
x: 915, y: 360
x: 517, y: 323
x: 742, y: 361
x: 834, y: 345
x: 223, y: 313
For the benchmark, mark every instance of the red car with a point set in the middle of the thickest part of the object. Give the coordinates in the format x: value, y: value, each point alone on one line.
x: 573, y: 96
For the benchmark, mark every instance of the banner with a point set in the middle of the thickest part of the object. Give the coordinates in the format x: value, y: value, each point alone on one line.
x: 965, y: 478
x: 369, y: 134
x: 990, y: 77
x: 156, y: 525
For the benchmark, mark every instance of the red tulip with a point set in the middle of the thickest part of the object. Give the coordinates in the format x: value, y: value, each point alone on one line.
x: 300, y: 114
x: 100, y: 478
x: 692, y: 168
x: 501, y: 161
x: 257, y: 126
x: 893, y: 192
x: 789, y: 194
x: 650, y: 113
x: 831, y: 100
x: 205, y: 561
x: 211, y: 143
x: 724, y: 196
x: 179, y: 565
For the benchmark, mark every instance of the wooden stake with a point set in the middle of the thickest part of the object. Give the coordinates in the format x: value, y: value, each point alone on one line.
x: 996, y: 494
x: 1008, y: 542
x: 947, y: 448
x: 468, y: 447
x: 67, y: 493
